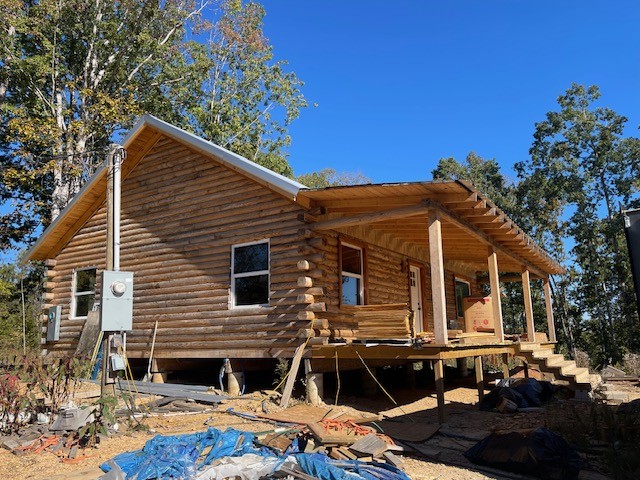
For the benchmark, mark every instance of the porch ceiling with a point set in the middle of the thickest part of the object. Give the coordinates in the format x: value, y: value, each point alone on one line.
x: 471, y: 222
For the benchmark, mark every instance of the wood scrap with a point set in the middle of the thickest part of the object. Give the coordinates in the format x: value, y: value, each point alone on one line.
x: 369, y: 445
x: 293, y: 373
x: 326, y: 437
x: 393, y: 459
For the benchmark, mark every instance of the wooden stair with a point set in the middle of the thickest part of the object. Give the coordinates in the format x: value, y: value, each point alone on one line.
x: 562, y: 369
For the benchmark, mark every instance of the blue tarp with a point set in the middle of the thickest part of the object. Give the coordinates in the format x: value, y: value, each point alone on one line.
x: 177, y: 457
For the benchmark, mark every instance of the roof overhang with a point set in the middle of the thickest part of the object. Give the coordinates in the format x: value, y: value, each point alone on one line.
x: 397, y: 214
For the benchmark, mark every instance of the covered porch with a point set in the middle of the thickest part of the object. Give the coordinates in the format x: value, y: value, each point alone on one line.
x: 443, y: 234
x: 437, y: 227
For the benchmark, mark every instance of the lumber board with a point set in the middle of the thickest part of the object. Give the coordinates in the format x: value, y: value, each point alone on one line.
x: 293, y: 373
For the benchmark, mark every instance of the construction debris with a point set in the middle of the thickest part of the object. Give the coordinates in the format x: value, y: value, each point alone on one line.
x: 234, y: 453
x: 38, y: 439
x: 521, y: 395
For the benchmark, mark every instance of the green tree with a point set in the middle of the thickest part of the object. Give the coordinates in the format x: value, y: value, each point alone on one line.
x: 14, y: 283
x: 582, y: 169
x: 75, y: 72
x: 485, y: 175
x: 328, y: 177
x: 248, y: 100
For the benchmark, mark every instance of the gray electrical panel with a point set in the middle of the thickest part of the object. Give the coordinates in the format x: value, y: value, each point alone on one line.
x: 116, y: 306
x: 53, y: 323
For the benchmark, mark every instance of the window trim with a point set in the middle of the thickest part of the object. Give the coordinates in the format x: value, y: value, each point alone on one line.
x: 457, y: 279
x: 75, y: 294
x: 361, y: 276
x: 254, y: 273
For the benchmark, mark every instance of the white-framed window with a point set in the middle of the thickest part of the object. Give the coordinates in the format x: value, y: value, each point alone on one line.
x: 84, y: 291
x: 250, y: 274
x: 352, y: 287
x: 463, y: 290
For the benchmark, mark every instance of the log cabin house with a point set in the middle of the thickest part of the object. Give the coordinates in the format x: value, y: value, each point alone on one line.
x: 237, y: 262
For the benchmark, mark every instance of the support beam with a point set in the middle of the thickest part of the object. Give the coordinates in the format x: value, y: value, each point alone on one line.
x: 349, y: 221
x: 437, y: 278
x: 315, y: 384
x: 549, y: 306
x: 291, y: 378
x: 438, y: 368
x: 496, y: 301
x: 479, y: 377
x: 528, y: 305
x: 234, y: 379
x: 505, y: 365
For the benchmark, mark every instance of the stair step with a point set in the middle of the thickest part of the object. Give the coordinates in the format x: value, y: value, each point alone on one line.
x: 554, y: 359
x: 542, y: 353
x: 529, y: 347
x: 584, y: 378
x: 573, y: 371
x: 579, y: 371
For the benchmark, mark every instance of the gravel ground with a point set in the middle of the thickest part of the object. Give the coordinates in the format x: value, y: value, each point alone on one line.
x: 464, y: 423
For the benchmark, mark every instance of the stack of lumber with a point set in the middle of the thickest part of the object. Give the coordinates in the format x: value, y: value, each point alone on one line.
x: 381, y: 321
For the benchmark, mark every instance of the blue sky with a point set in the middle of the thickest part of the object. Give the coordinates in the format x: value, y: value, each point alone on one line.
x: 401, y: 84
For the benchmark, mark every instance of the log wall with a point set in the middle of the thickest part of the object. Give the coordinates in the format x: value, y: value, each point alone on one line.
x: 181, y: 214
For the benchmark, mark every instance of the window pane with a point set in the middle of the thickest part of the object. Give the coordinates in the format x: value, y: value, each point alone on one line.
x: 84, y: 303
x: 251, y: 258
x: 86, y: 280
x: 252, y: 290
x: 350, y: 291
x: 351, y: 260
x: 462, y: 291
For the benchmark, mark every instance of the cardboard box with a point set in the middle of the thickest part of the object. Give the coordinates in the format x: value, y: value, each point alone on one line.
x: 478, y: 313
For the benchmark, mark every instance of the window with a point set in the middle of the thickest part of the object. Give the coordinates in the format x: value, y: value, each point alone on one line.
x: 250, y: 274
x: 84, y: 286
x: 463, y: 290
x: 352, y: 279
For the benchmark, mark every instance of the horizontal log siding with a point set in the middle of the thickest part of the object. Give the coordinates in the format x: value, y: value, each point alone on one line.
x: 181, y: 213
x: 387, y: 280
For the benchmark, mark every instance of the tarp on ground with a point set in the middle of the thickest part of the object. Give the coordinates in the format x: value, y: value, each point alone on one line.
x: 523, y: 392
x: 178, y: 457
x: 540, y: 452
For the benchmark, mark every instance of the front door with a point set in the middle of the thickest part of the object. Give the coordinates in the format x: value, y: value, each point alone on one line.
x: 416, y: 297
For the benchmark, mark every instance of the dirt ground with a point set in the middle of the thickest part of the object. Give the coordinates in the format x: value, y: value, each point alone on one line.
x: 465, y: 424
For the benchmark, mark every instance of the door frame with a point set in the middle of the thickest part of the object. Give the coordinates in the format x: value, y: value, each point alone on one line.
x: 421, y: 284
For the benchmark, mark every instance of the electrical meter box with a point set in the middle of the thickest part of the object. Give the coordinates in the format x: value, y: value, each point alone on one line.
x: 116, y: 306
x: 53, y: 323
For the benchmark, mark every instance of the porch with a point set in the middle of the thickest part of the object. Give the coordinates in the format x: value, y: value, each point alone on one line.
x: 401, y: 251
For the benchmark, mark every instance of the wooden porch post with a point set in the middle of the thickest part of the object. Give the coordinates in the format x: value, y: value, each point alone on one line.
x: 528, y: 305
x: 437, y: 278
x: 496, y: 301
x: 549, y: 307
